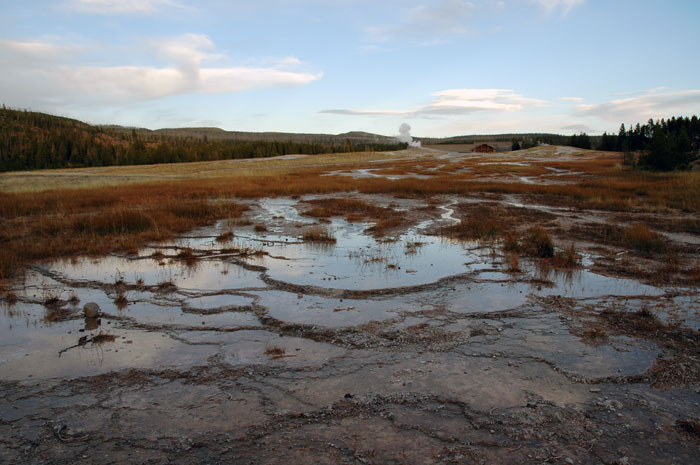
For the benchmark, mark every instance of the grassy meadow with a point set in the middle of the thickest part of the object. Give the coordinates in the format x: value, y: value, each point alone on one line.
x: 93, y: 211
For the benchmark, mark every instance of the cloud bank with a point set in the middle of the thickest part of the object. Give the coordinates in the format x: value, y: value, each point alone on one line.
x: 119, y: 6
x: 454, y: 102
x: 653, y: 105
x: 40, y: 72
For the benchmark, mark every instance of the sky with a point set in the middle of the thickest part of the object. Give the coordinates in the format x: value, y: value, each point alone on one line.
x: 445, y: 67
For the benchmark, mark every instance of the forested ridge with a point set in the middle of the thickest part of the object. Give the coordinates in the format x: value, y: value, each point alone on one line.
x: 31, y: 140
x: 665, y: 144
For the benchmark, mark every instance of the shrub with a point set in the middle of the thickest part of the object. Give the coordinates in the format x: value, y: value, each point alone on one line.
x: 539, y: 242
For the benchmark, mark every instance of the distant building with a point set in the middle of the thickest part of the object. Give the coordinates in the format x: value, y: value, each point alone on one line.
x: 484, y: 148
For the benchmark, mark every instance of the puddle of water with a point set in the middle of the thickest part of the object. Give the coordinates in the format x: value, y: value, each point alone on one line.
x: 331, y: 313
x: 201, y: 275
x: 356, y: 261
x: 359, y: 262
x: 32, y: 351
x: 370, y: 173
x: 511, y: 163
x: 218, y: 301
x: 582, y: 283
x: 151, y: 314
x: 482, y: 297
x: 282, y: 208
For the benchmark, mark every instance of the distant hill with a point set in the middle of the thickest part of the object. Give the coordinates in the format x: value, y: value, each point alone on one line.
x: 31, y: 140
x: 220, y: 134
x: 544, y: 138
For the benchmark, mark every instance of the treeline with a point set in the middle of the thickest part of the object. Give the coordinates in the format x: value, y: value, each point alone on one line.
x: 666, y: 144
x: 31, y: 140
x: 663, y: 145
x: 525, y: 140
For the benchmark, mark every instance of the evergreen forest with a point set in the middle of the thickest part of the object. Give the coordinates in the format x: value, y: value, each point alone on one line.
x: 31, y: 140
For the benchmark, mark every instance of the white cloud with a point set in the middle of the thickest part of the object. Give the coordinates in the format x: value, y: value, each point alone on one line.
x: 471, y: 100
x: 457, y: 102
x: 119, y: 6
x: 565, y: 6
x: 571, y: 99
x: 653, y: 105
x: 34, y: 75
x: 25, y: 52
x: 446, y: 18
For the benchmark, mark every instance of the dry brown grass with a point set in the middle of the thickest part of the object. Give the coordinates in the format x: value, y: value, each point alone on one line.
x: 121, y: 301
x: 93, y: 222
x: 538, y: 242
x: 318, y: 234
x: 66, y: 222
x: 637, y: 237
x: 640, y: 237
x: 567, y: 258
x: 225, y: 237
x: 513, y: 263
x: 481, y: 223
x: 595, y: 334
x: 274, y: 350
x: 354, y: 210
x: 385, y: 219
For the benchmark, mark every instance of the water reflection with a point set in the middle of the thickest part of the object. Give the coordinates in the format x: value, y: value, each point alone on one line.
x: 218, y: 292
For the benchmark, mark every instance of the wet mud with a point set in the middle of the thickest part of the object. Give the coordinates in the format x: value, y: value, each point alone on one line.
x: 244, y: 343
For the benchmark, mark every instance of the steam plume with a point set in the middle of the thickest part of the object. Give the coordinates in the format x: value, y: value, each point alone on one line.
x: 405, y: 136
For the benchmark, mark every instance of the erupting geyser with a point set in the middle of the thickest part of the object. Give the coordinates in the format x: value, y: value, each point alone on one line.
x: 405, y: 136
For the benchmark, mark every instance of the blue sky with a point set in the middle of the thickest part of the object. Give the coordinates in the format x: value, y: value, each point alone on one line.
x: 446, y: 67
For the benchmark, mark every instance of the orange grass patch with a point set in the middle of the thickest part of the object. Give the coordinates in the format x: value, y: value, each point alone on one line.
x: 95, y: 221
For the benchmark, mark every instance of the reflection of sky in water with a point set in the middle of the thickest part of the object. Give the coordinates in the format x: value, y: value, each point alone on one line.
x: 30, y: 347
x: 218, y: 300
x: 282, y: 208
x: 146, y: 313
x: 358, y: 261
x: 581, y: 283
x: 332, y: 313
x: 202, y: 275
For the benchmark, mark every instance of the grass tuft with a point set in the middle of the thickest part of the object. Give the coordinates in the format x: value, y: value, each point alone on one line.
x: 225, y: 237
x: 641, y: 238
x: 539, y: 243
x: 482, y: 223
x: 319, y: 234
x: 567, y: 258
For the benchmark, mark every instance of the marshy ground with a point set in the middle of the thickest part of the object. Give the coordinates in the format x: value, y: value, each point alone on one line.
x: 412, y: 307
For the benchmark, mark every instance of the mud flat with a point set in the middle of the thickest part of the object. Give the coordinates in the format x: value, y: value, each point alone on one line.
x: 245, y: 343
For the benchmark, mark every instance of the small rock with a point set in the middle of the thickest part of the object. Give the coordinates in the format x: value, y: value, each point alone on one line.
x: 349, y: 396
x: 91, y: 309
x: 569, y: 461
x: 594, y: 389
